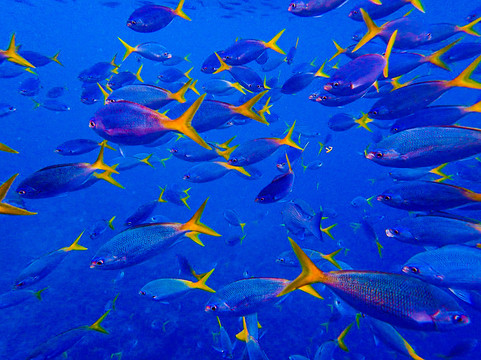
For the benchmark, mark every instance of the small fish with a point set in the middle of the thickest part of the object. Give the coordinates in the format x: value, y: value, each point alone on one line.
x: 222, y: 87
x: 327, y: 99
x: 407, y: 174
x: 91, y: 94
x: 343, y: 122
x: 151, y: 17
x: 44, y: 265
x: 300, y: 223
x: 172, y: 75
x: 148, y: 50
x: 209, y: 171
x: 278, y: 188
x: 300, y: 81
x: 79, y: 146
x: 313, y: 8
x: 288, y: 258
x: 16, y: 297
x: 99, y: 71
x: 8, y: 209
x: 51, y: 104
x: 143, y: 212
x: 99, y: 227
x: 396, y: 299
x: 139, y: 243
x: 292, y: 53
x: 124, y: 78
x: 244, y: 75
x: 292, y: 153
x: 56, y: 92
x: 377, y: 10
x: 6, y: 109
x: 176, y: 195
x: 226, y: 348
x: 185, y: 150
x: 30, y: 86
x: 233, y: 218
x: 169, y: 289
x: 38, y: 59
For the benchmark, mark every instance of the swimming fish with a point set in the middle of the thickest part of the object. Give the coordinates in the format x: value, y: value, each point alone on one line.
x: 51, y: 104
x: 299, y: 222
x: 38, y: 59
x: 16, y: 297
x: 209, y: 171
x: 396, y: 299
x: 244, y: 75
x: 30, y: 86
x: 7, y: 209
x: 79, y: 146
x: 151, y: 17
x: 377, y: 10
x: 278, y: 188
x: 12, y: 55
x: 140, y: 243
x: 143, y: 212
x: 313, y: 8
x: 99, y: 71
x: 299, y: 81
x: 124, y: 78
x: 148, y: 50
x: 6, y: 109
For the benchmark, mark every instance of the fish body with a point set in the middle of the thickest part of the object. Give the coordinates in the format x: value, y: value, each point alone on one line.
x: 121, y: 79
x: 209, y: 171
x: 97, y: 72
x: 426, y: 146
x: 277, y: 189
x: 16, y: 297
x: 171, y: 75
x: 39, y: 269
x: 253, y: 151
x: 30, y: 86
x: 37, y: 59
x: 313, y: 8
x: 292, y: 153
x: 56, y: 92
x: 327, y: 99
x: 53, y: 105
x: 148, y: 50
x: 76, y: 147
x: 299, y: 222
x: 150, y: 17
x: 298, y: 82
x: 141, y: 214
x: 91, y: 94
x: 191, y: 152
x: 377, y: 11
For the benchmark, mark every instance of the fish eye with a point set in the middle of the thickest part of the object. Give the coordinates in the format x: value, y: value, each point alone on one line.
x: 374, y: 112
x: 129, y: 223
x: 293, y: 5
x: 395, y: 231
x: 141, y: 292
x: 173, y: 151
x: 395, y: 129
x: 281, y: 260
x: 186, y: 177
x: 262, y: 198
x: 386, y: 197
x: 459, y: 319
x: 324, y: 97
x: 22, y: 192
x: 354, y: 12
x: 411, y: 269
x: 233, y: 161
x: 92, y: 123
x: 213, y: 307
x: 20, y: 284
x: 11, y: 108
x: 379, y: 155
x: 336, y: 84
x: 98, y: 262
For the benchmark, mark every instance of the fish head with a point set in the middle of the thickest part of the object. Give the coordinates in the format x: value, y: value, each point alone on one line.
x: 358, y: 35
x: 402, y: 234
x: 25, y: 281
x: 217, y: 305
x: 297, y: 6
x: 424, y: 271
x: 238, y: 160
x: 264, y: 198
x: 338, y: 85
x: 139, y: 20
x: 286, y: 259
x: 447, y: 320
x: 389, y: 198
x: 27, y: 191
x: 382, y: 155
x: 105, y: 261
x: 355, y: 14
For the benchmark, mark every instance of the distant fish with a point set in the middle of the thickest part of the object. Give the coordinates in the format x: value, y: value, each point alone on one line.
x: 151, y: 17
x: 79, y: 146
x: 99, y: 71
x: 16, y: 297
x: 313, y: 8
x: 30, y: 86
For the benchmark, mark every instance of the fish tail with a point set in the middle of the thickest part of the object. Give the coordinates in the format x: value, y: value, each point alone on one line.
x: 116, y: 67
x: 242, y: 225
x: 6, y: 148
x: 238, y: 87
x: 187, y: 73
x: 104, y: 142
x: 180, y: 95
x: 110, y: 223
x: 8, y: 209
x: 225, y: 145
x: 75, y: 245
x: 387, y: 54
x: 438, y: 170
x: 223, y: 65
x: 265, y: 109
x: 417, y: 4
x: 310, y: 272
x: 128, y: 49
x: 339, y: 50
x: 464, y: 79
x: 36, y: 104
x: 107, y: 176
x: 194, y: 236
x: 436, y: 57
x: 304, y: 167
x: 474, y: 108
x: 227, y: 152
x: 104, y: 93
x: 179, y: 12
x: 320, y: 72
x: 13, y: 56
x: 267, y: 87
x: 161, y: 199
x: 38, y: 294
x: 137, y: 74
x: 363, y: 121
x: 186, y: 58
x: 146, y: 160
x: 288, y: 139
x: 308, y: 289
x: 244, y: 334
x: 272, y: 44
x: 194, y: 224
x: 192, y: 87
x: 469, y: 28
x: 247, y: 110
x: 99, y: 164
x: 369, y: 200
x: 183, y: 123
x: 231, y: 167
x: 184, y: 201
x: 376, y: 2
x: 327, y: 231
x: 341, y: 337
x: 201, y: 283
x: 410, y: 349
x: 55, y: 58
x: 97, y: 326
x: 330, y: 258
x: 372, y: 31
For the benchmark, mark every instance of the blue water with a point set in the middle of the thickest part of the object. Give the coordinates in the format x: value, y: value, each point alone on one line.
x: 86, y: 32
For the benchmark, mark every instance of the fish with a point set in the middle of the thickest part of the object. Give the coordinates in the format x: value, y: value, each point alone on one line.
x: 143, y: 212
x: 62, y: 342
x: 37, y: 59
x: 150, y: 17
x: 222, y: 87
x: 378, y: 11
x: 209, y: 171
x: 408, y: 174
x: 327, y: 99
x: 16, y: 297
x: 248, y: 296
x: 79, y: 146
x: 313, y: 8
x: 435, y: 230
x: 292, y: 153
x: 44, y: 265
x: 91, y: 94
x: 256, y: 150
x: 51, y: 104
x: 427, y: 196
x: 426, y: 146
x: 343, y: 122
x: 300, y: 223
x: 56, y: 92
x: 169, y: 289
x: 453, y: 266
x: 8, y: 209
x: 397, y: 299
x: 99, y: 227
x: 99, y: 71
x: 148, y: 50
x: 278, y: 188
x: 300, y: 81
x: 244, y: 75
x: 233, y: 219
x: 461, y: 348
x: 140, y: 243
x: 13, y: 56
x: 225, y: 344
x: 185, y: 150
x: 176, y: 195
x: 124, y: 78
x: 288, y: 258
x: 58, y: 179
x: 30, y: 86
x: 292, y: 53
x: 6, y: 109
x: 171, y: 75
x: 124, y: 122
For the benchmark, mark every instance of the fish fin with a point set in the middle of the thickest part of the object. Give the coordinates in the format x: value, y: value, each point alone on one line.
x: 464, y: 79
x: 223, y: 65
x: 179, y: 12
x: 242, y: 335
x: 438, y: 170
x: 372, y: 31
x: 184, y: 201
x: 463, y: 295
x: 339, y: 50
x: 436, y: 57
x: 272, y: 44
x: 327, y: 231
x: 341, y: 337
x: 97, y: 326
x: 247, y: 110
x: 187, y: 73
x: 180, y: 95
x: 75, y: 245
x: 137, y: 74
x: 99, y: 164
x: 227, y: 152
x: 308, y: 289
x: 410, y: 349
x: 201, y: 283
x: 225, y: 144
x: 310, y: 272
x: 287, y: 140
x: 7, y: 209
x: 288, y: 163
x: 107, y: 176
x: 474, y: 108
x: 194, y: 224
x: 186, y: 58
x: 104, y: 93
x: 36, y: 104
x: 128, y: 49
x: 38, y: 294
x: 369, y: 200
x: 231, y: 167
x: 265, y: 109
x: 161, y: 199
x: 242, y: 225
x: 265, y: 83
x: 192, y: 87
x: 330, y: 258
x: 116, y: 67
x: 320, y: 72
x: 417, y: 4
x: 55, y: 58
x: 469, y: 28
x: 6, y: 148
x: 6, y: 186
x: 110, y: 223
x: 363, y: 121
x: 194, y: 236
x: 238, y: 87
x: 13, y: 56
x: 387, y: 54
x: 146, y: 160
x: 376, y: 2
x: 183, y: 123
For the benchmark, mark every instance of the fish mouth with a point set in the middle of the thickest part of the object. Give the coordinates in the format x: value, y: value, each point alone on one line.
x: 389, y: 233
x: 379, y: 198
x: 369, y: 155
x: 92, y: 266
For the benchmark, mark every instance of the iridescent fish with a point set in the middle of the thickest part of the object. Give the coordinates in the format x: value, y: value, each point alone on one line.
x: 79, y: 146
x: 151, y: 17
x: 278, y: 188
x: 313, y: 8
x: 148, y: 50
x: 380, y: 9
x: 8, y: 209
x: 209, y: 171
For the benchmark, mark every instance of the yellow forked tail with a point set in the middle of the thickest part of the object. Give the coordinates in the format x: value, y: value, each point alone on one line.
x: 194, y: 224
x: 464, y: 79
x: 75, y: 245
x: 288, y: 139
x: 97, y: 326
x: 179, y: 12
x: 8, y: 209
x: 13, y: 56
x: 246, y: 109
x: 372, y: 30
x: 272, y: 44
x: 201, y: 283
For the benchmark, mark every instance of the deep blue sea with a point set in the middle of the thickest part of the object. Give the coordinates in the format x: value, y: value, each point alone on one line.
x: 85, y: 33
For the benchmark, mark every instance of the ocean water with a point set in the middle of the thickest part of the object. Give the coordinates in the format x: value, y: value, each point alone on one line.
x: 85, y: 32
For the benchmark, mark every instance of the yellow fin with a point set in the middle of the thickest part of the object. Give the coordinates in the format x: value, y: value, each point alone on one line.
x: 104, y: 93
x: 417, y: 4
x: 287, y: 140
x: 7, y: 209
x: 75, y: 245
x: 308, y: 289
x: 231, y: 167
x: 183, y: 123
x: 187, y: 73
x: 179, y: 12
x: 192, y: 87
x: 330, y: 258
x: 55, y: 58
x: 180, y: 95
x: 105, y: 142
x: 247, y: 110
x: 387, y: 54
x: 227, y: 152
x: 194, y: 224
x: 372, y: 31
x: 238, y: 87
x: 38, y: 294
x: 469, y: 28
x: 128, y: 49
x: 99, y: 164
x: 363, y: 121
x: 6, y: 148
x: 13, y: 56
x: 97, y: 326
x: 194, y: 236
x: 339, y: 51
x: 435, y: 57
x: 320, y: 72
x: 146, y: 160
x: 137, y: 74
x: 340, y: 338
x: 272, y: 44
x: 110, y: 223
x: 201, y: 283
x: 464, y: 79
x: 223, y: 65
x: 107, y: 176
